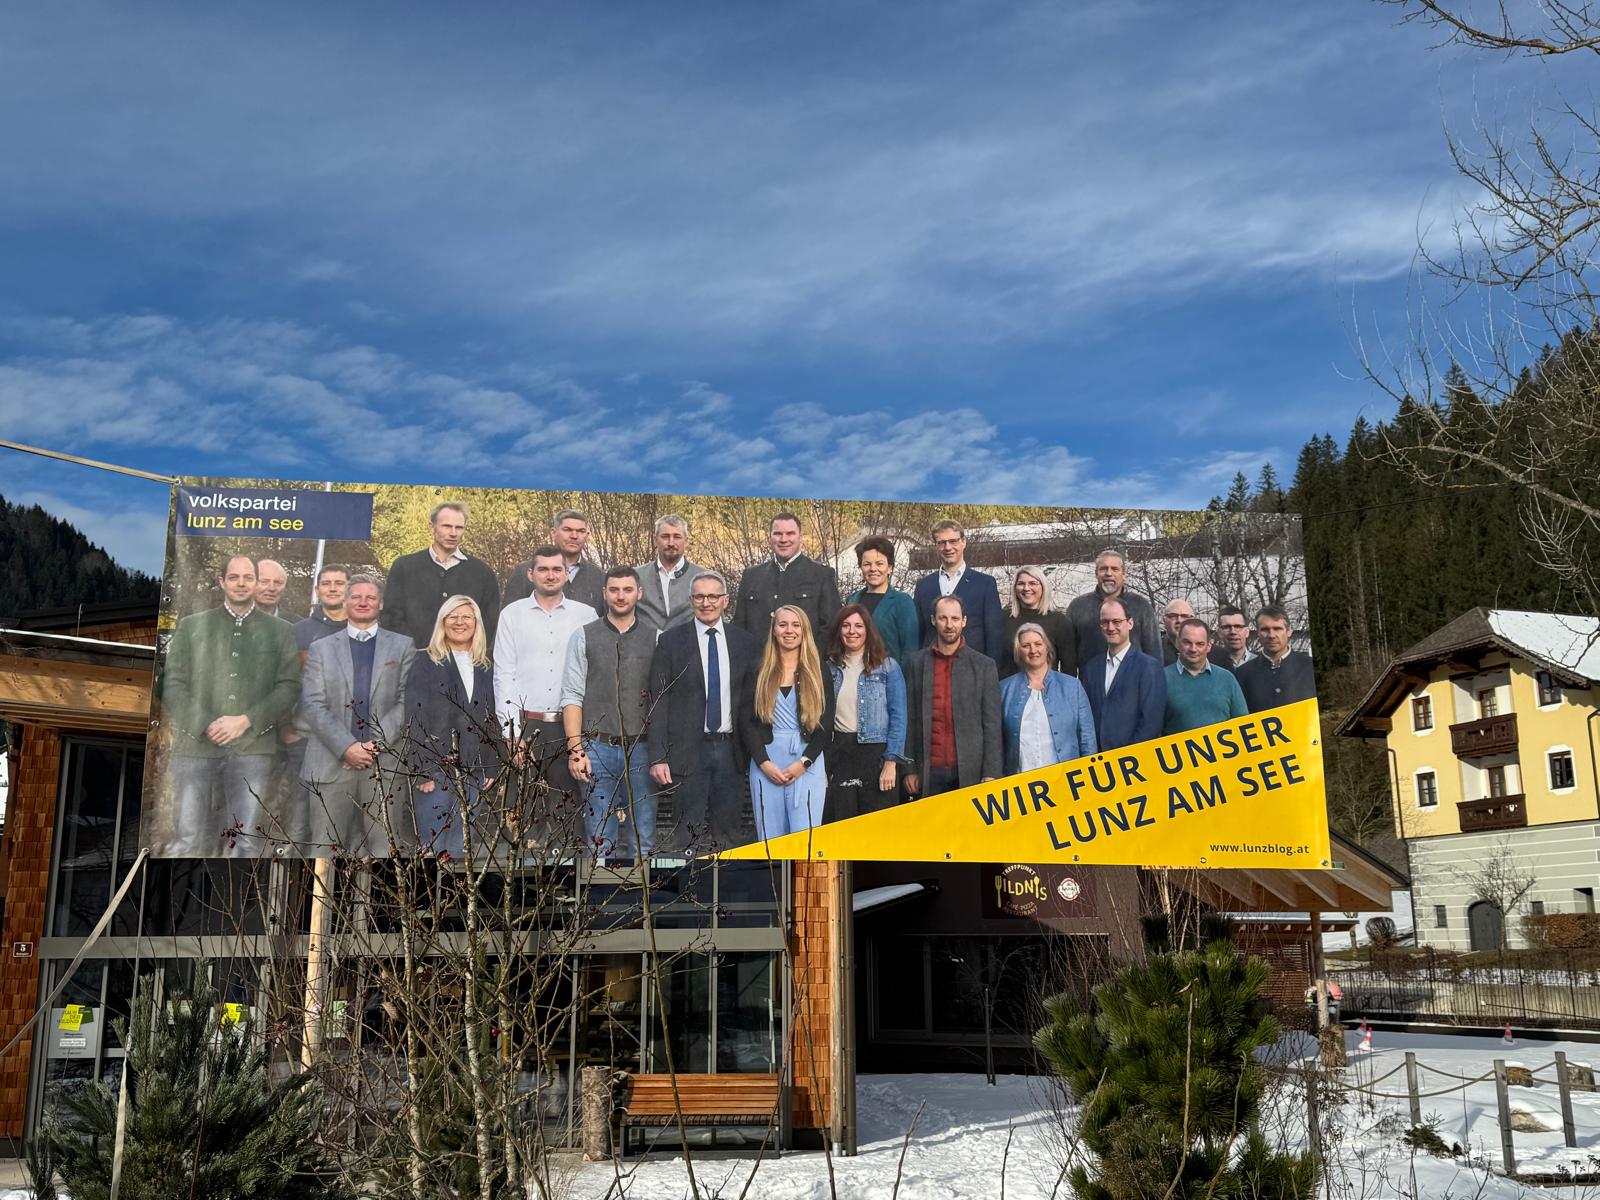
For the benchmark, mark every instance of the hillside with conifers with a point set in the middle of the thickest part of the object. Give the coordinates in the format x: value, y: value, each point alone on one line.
x: 46, y: 562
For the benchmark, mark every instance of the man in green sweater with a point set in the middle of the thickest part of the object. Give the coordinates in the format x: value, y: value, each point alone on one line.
x: 1198, y: 691
x: 231, y: 678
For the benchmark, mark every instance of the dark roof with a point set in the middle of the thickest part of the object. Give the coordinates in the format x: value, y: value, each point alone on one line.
x: 1468, y: 636
x: 1469, y: 630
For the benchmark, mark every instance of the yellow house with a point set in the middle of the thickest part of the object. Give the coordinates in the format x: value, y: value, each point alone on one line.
x: 1489, y: 730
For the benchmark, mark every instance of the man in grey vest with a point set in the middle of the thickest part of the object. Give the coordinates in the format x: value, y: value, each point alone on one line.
x: 605, y: 708
x: 664, y: 582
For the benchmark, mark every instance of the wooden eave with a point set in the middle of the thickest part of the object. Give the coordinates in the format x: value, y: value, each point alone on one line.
x: 1359, y: 883
x: 70, y: 689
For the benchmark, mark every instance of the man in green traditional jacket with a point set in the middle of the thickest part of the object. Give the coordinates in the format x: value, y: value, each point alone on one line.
x: 232, y: 677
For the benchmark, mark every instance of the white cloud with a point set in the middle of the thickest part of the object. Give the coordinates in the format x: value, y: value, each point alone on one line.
x: 648, y: 180
x: 274, y: 397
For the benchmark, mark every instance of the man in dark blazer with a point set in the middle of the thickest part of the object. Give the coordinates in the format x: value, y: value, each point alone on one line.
x: 352, y: 711
x: 1132, y: 707
x: 980, y: 595
x: 694, y: 755
x: 952, y: 709
x: 788, y: 577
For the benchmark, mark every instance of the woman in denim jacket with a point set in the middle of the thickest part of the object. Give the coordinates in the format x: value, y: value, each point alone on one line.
x: 1044, y: 715
x: 869, y: 727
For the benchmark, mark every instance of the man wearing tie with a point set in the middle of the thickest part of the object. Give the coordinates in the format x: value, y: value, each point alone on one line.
x: 664, y: 584
x: 980, y: 595
x: 1127, y: 692
x: 699, y: 670
x: 352, y: 707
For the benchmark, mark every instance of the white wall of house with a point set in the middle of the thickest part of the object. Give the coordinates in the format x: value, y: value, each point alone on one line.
x: 1563, y: 859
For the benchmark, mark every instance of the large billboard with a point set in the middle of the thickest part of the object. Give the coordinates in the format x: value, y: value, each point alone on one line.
x: 373, y: 670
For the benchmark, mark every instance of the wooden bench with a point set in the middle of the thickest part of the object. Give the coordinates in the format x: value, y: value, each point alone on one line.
x: 645, y: 1101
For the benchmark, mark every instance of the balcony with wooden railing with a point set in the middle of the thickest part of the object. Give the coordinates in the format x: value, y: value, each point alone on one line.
x: 1493, y: 812
x: 1480, y: 739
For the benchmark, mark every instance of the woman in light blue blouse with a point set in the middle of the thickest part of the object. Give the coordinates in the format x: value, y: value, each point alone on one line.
x: 1044, y: 715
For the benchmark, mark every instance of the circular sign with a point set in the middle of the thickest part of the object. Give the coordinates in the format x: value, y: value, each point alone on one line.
x: 1068, y: 888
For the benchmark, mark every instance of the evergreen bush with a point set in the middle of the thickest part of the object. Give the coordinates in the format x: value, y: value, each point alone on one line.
x: 1169, y: 1082
x: 205, y: 1118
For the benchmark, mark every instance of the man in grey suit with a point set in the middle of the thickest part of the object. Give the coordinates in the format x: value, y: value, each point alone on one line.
x: 352, y: 706
x: 664, y: 584
x: 952, y: 709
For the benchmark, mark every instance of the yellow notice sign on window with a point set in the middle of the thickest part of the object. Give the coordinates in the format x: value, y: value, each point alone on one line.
x: 73, y: 1017
x: 232, y: 1014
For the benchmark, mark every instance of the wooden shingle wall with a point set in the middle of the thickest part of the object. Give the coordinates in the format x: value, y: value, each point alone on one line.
x: 30, y: 826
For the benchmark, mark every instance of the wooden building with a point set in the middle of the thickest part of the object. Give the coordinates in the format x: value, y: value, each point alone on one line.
x: 886, y: 965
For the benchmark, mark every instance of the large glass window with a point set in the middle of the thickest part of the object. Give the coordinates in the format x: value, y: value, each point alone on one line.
x: 683, y: 996
x: 101, y: 785
x: 748, y: 1024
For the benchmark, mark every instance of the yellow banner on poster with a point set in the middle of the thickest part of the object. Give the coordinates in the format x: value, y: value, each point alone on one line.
x: 1242, y: 793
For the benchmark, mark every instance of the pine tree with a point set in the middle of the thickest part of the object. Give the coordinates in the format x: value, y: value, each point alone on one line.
x: 1169, y: 1081
x: 205, y: 1118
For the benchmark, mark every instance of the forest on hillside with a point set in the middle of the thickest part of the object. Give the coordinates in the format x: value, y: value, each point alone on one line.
x: 46, y: 562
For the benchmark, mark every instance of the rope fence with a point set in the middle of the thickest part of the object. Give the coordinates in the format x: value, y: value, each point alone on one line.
x: 1567, y: 1077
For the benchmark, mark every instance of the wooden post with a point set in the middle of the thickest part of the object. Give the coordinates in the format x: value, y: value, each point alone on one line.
x: 1569, y: 1129
x: 316, y: 960
x: 1319, y: 970
x: 1411, y: 1088
x: 845, y: 998
x: 1508, y: 1155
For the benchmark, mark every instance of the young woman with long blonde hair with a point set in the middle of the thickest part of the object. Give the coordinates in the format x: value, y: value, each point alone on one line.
x: 784, y: 724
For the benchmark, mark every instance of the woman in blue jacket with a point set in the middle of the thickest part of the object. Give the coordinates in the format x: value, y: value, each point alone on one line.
x: 450, y: 695
x: 893, y: 612
x: 869, y: 723
x: 1044, y: 715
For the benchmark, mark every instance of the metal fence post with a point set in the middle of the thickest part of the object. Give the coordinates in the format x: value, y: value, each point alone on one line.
x: 1508, y: 1155
x: 1411, y: 1088
x: 1569, y: 1129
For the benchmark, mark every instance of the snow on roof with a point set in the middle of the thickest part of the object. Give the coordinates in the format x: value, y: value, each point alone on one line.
x: 1562, y: 639
x: 877, y: 897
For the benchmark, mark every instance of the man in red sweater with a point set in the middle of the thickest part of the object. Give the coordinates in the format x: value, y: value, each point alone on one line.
x: 952, y: 709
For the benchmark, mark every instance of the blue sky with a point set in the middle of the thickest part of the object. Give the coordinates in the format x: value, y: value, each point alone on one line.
x: 1063, y: 253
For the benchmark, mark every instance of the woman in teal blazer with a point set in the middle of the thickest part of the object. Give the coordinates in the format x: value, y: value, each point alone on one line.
x: 894, y: 613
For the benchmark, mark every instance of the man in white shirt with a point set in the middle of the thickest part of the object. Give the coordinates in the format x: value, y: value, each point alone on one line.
x: 978, y: 592
x: 665, y: 582
x: 694, y: 753
x: 530, y: 652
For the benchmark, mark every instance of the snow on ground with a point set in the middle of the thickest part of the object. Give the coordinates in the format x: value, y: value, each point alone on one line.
x: 955, y: 1152
x: 957, y: 1148
x: 1465, y: 1115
